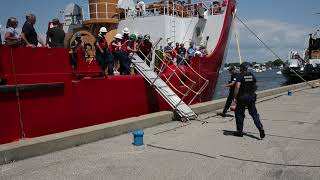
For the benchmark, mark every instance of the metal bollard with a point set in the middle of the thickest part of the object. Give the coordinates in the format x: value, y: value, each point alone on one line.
x: 138, y: 137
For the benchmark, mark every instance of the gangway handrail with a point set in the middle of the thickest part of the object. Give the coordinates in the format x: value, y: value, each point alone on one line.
x: 167, y: 79
x: 190, y: 67
x: 165, y: 64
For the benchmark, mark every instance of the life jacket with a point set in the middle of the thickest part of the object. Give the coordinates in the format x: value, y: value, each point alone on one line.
x: 175, y: 53
x: 124, y: 39
x: 113, y: 48
x: 248, y: 84
x: 125, y: 46
x: 145, y: 47
x: 102, y: 42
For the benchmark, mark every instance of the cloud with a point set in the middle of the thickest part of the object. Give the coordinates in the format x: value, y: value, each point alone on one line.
x: 280, y: 36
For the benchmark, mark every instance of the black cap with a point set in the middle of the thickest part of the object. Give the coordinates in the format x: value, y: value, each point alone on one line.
x: 243, y: 67
x: 55, y: 21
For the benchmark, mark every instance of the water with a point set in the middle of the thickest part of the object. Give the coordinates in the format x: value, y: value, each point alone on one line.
x: 265, y: 80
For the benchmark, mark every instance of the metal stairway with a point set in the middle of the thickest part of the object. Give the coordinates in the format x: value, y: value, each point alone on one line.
x: 173, y: 23
x: 163, y: 89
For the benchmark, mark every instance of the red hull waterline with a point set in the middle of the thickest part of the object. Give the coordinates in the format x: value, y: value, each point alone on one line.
x: 51, y: 99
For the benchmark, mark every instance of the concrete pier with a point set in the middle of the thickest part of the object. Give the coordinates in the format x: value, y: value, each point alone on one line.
x: 203, y: 149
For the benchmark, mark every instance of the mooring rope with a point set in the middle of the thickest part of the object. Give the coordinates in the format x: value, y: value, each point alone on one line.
x: 17, y: 94
x: 274, y: 53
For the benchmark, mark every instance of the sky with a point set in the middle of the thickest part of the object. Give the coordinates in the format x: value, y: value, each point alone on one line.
x: 283, y: 24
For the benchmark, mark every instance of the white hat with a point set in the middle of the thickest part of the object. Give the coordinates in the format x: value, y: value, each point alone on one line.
x: 170, y: 42
x: 125, y: 30
x: 103, y: 30
x: 118, y: 36
x: 197, y: 54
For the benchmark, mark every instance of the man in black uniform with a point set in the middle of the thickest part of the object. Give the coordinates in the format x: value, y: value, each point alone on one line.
x: 55, y: 35
x: 245, y: 96
x: 231, y: 85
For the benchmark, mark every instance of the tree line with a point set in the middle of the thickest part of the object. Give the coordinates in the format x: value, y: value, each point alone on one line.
x: 275, y: 63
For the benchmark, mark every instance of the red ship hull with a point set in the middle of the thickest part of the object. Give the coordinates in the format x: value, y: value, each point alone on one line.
x: 50, y: 99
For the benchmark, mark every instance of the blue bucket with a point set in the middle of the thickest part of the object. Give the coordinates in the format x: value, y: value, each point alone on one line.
x: 290, y: 93
x: 138, y: 137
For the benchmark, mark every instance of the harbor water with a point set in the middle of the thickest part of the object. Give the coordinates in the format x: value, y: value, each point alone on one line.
x: 265, y: 80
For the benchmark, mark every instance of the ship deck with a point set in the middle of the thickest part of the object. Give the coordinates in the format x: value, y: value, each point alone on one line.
x: 199, y: 149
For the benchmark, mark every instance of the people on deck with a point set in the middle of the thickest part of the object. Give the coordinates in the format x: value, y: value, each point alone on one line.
x: 77, y: 47
x: 203, y: 49
x: 146, y: 49
x: 175, y: 52
x: 55, y: 35
x: 12, y: 37
x: 103, y: 55
x: 182, y: 55
x: 125, y: 35
x: 128, y: 47
x: 140, y: 39
x: 29, y: 34
x: 115, y: 48
x: 168, y: 49
x: 141, y: 7
x: 191, y: 51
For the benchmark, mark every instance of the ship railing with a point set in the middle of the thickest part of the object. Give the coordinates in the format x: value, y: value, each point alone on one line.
x: 173, y: 8
x: 165, y: 65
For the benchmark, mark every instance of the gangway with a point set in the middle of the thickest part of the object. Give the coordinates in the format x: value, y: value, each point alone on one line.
x: 161, y: 82
x: 163, y: 89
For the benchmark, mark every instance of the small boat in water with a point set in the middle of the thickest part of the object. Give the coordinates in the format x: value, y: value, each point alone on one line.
x: 306, y: 65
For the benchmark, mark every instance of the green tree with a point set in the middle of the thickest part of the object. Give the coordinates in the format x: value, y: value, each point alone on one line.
x: 277, y: 62
x: 247, y: 63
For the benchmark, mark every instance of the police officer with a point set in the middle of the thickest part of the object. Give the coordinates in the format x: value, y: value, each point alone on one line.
x: 245, y: 96
x: 230, y: 85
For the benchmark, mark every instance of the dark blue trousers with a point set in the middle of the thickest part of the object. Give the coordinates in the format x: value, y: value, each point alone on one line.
x: 125, y: 63
x: 105, y: 60
x: 249, y: 102
x: 228, y: 103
